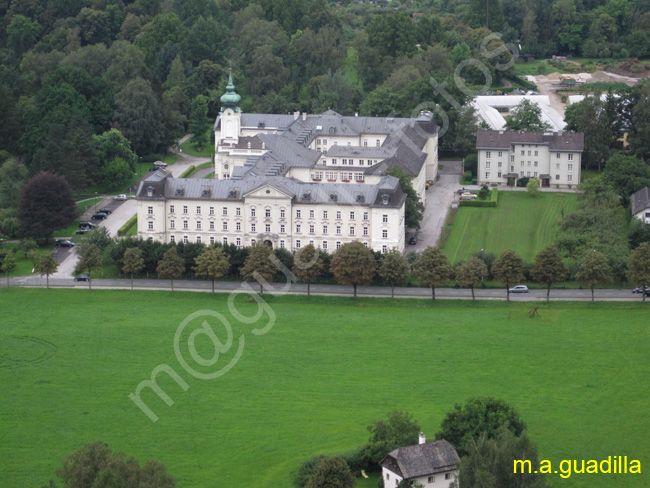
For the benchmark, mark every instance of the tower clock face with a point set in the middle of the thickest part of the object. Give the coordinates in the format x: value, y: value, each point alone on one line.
x: 225, y: 166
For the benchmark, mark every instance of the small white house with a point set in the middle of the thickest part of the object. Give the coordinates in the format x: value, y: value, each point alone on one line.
x: 430, y: 464
x: 640, y: 204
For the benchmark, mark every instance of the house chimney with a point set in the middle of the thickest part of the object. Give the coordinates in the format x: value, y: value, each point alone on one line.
x: 423, y: 438
x: 296, y: 115
x: 304, y: 116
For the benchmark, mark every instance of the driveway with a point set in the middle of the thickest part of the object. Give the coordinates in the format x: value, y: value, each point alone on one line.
x: 439, y: 199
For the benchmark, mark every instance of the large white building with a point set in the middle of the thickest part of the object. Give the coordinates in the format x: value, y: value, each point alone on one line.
x: 504, y: 156
x: 297, y: 179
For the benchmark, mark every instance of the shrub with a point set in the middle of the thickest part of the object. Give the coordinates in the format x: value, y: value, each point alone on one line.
x: 129, y: 227
x: 483, y: 192
x: 188, y: 172
x: 523, y: 182
x: 355, y: 460
x: 492, y: 201
x: 307, y: 469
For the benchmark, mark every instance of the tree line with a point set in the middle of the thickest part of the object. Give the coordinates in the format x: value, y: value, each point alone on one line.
x: 353, y: 264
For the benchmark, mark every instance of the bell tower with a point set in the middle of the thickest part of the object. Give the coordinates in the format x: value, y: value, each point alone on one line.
x: 230, y: 114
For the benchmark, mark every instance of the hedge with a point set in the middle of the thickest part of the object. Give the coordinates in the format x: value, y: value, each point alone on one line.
x: 129, y: 228
x: 491, y: 202
x: 188, y: 172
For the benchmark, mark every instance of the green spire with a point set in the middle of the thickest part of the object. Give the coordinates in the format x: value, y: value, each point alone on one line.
x: 231, y: 98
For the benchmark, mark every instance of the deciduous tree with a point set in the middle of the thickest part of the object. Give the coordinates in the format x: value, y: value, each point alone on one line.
x: 594, y: 270
x: 489, y: 462
x: 527, y: 115
x: 479, y: 415
x: 432, y: 268
x: 259, y: 266
x: 353, y: 264
x: 549, y: 268
x: 398, y: 430
x: 90, y: 259
x: 133, y: 262
x: 46, y: 204
x: 393, y: 269
x: 8, y: 262
x: 508, y: 269
x: 171, y: 266
x: 46, y: 265
x: 532, y: 187
x: 213, y: 263
x: 308, y: 265
x: 638, y: 267
x: 471, y: 273
x: 97, y: 465
x: 332, y: 472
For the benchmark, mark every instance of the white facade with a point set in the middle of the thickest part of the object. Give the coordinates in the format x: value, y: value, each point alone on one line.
x: 555, y: 164
x: 438, y: 480
x: 270, y: 215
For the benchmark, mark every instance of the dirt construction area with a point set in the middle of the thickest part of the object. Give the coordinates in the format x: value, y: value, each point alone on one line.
x: 547, y: 84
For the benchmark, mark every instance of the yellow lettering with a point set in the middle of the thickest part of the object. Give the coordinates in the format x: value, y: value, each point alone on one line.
x: 566, y: 471
x: 523, y: 464
x: 592, y: 467
x: 575, y: 466
x: 635, y: 467
x: 606, y: 462
x: 545, y: 466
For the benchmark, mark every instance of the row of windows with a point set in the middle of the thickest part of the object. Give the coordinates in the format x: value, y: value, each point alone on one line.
x: 430, y: 479
x: 569, y: 178
x: 267, y: 213
x: 238, y: 242
x: 323, y: 142
x: 267, y: 228
x: 534, y: 163
x: 334, y: 176
x: 351, y: 162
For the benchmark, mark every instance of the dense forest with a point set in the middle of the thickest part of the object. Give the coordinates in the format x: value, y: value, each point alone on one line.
x: 70, y: 71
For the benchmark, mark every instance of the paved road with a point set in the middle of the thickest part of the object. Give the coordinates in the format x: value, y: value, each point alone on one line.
x: 439, y: 199
x: 330, y: 290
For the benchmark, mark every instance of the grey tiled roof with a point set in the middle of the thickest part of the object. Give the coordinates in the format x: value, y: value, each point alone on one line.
x: 423, y: 459
x: 640, y: 200
x: 557, y: 141
x: 302, y: 192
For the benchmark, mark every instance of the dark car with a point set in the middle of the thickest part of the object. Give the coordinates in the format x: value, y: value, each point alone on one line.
x: 99, y: 216
x: 155, y: 168
x: 64, y: 243
x: 638, y: 290
x: 105, y: 210
x: 82, y: 277
x: 81, y: 231
x: 86, y: 225
x: 413, y: 240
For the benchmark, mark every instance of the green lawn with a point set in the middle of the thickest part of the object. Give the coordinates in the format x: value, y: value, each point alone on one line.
x: 522, y: 223
x: 25, y: 265
x: 326, y: 369
x: 188, y: 147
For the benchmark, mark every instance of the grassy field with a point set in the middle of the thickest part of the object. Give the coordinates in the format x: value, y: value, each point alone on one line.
x: 188, y: 147
x: 326, y: 369
x: 520, y: 222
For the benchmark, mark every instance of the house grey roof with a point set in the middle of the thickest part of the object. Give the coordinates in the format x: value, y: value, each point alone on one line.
x: 422, y: 459
x: 361, y: 151
x: 557, y: 141
x: 640, y: 200
x: 169, y: 188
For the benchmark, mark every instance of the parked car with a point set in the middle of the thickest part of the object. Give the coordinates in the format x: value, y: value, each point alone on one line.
x: 468, y: 196
x: 160, y: 164
x: 82, y: 277
x: 154, y: 168
x: 519, y: 289
x: 99, y: 216
x: 82, y: 231
x: 638, y: 290
x: 120, y: 198
x: 64, y: 243
x: 105, y: 210
x: 413, y: 240
x: 86, y: 225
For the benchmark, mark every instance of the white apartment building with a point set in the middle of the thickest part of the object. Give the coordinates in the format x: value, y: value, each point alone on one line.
x: 279, y: 211
x: 505, y: 156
